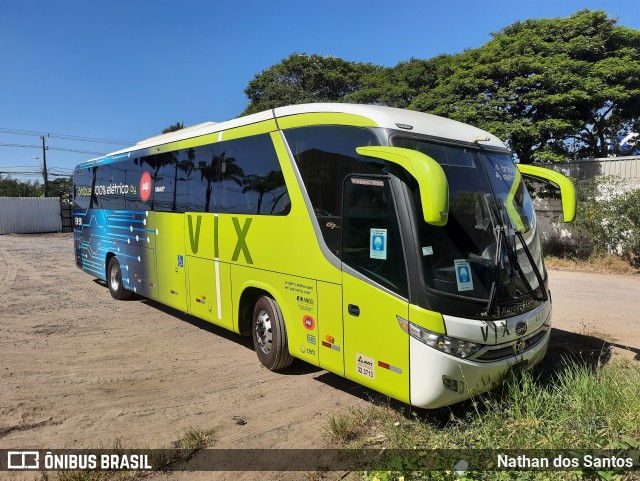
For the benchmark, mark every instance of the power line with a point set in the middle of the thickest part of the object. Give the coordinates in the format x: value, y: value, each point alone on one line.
x: 63, y: 149
x: 32, y: 173
x: 90, y: 152
x: 64, y: 136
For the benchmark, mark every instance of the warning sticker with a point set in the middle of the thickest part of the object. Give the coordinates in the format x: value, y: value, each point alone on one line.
x: 463, y: 275
x: 365, y: 366
x: 378, y: 244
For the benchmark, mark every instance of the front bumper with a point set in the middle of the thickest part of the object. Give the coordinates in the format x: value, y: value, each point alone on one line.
x: 438, y: 379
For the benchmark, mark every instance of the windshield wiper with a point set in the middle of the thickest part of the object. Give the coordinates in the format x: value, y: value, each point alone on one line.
x: 493, y: 293
x: 536, y: 271
x: 513, y: 261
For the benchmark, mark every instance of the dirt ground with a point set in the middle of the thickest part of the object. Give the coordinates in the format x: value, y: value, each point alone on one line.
x: 79, y: 370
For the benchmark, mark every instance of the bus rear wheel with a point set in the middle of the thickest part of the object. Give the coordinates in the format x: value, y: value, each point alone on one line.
x: 114, y: 281
x: 270, y: 335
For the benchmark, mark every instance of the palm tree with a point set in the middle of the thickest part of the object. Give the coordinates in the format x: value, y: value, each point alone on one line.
x: 263, y: 184
x: 173, y: 128
x: 228, y: 170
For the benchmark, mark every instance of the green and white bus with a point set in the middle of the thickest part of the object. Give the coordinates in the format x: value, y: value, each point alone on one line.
x: 395, y: 248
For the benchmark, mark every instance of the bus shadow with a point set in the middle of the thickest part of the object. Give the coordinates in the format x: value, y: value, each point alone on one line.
x: 297, y: 368
x: 361, y: 392
x: 583, y: 350
x: 244, y: 341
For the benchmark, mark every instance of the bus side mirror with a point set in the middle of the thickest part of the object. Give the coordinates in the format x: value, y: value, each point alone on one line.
x: 567, y: 190
x: 432, y: 181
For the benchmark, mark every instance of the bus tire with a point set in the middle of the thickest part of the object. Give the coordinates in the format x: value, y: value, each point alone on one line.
x: 270, y: 335
x: 114, y: 281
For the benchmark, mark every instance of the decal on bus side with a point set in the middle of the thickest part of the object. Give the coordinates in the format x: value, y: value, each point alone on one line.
x: 241, y: 245
x: 494, y: 327
x: 241, y: 233
x: 195, y: 240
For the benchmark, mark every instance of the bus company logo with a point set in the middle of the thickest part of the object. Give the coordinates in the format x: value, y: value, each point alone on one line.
x: 145, y: 187
x: 521, y: 328
x: 309, y: 323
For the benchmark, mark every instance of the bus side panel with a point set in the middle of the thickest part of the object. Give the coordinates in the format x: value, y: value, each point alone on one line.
x: 129, y: 235
x: 376, y: 348
x: 330, y: 330
x: 276, y: 243
x: 170, y: 264
x: 139, y: 249
x: 210, y: 291
x: 297, y: 298
x: 137, y: 264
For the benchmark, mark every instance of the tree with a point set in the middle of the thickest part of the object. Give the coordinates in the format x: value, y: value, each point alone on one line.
x: 17, y: 188
x: 399, y: 85
x: 552, y: 88
x: 61, y: 187
x: 173, y: 128
x: 302, y: 78
x: 263, y: 184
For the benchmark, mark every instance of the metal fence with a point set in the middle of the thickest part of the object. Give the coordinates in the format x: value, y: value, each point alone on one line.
x: 30, y: 215
x: 627, y: 168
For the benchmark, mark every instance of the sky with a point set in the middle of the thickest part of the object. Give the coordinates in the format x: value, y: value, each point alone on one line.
x: 125, y: 69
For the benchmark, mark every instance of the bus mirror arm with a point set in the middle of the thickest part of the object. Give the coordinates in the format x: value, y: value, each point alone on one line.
x: 432, y: 181
x: 567, y: 190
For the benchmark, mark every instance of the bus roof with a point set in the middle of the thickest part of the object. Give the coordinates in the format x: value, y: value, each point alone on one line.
x: 386, y: 117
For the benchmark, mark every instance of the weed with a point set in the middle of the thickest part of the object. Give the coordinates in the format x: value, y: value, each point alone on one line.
x: 580, y: 407
x: 182, y: 450
x: 604, y: 264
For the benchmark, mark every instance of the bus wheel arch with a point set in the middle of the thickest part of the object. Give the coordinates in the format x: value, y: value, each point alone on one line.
x: 270, y: 334
x: 114, y: 279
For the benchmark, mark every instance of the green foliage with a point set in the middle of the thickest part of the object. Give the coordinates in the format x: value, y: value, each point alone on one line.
x: 608, y: 217
x: 59, y: 187
x: 17, y: 188
x: 173, y: 128
x: 302, y: 78
x: 542, y: 84
x: 580, y: 407
x: 553, y: 88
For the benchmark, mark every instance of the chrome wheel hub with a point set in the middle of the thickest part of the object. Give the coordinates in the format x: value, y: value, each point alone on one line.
x: 263, y: 332
x: 113, y: 279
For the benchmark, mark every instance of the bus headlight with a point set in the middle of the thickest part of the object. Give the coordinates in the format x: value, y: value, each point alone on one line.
x: 449, y: 345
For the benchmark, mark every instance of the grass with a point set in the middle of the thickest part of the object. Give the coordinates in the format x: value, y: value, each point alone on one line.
x: 578, y: 408
x: 608, y: 264
x: 185, y: 447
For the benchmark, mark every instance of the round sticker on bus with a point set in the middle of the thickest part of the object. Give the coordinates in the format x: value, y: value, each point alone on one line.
x: 145, y: 187
x: 309, y: 323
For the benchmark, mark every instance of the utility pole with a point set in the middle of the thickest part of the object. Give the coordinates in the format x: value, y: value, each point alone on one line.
x: 44, y: 167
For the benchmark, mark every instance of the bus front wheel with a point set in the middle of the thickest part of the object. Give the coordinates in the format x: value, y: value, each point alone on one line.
x: 270, y: 335
x: 114, y: 280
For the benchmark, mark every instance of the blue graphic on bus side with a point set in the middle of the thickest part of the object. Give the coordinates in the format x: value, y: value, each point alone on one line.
x: 125, y: 233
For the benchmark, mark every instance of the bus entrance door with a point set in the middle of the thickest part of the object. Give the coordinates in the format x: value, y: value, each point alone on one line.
x: 170, y: 260
x: 374, y: 288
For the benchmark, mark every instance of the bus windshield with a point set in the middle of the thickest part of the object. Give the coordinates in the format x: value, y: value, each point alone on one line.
x: 487, y: 200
